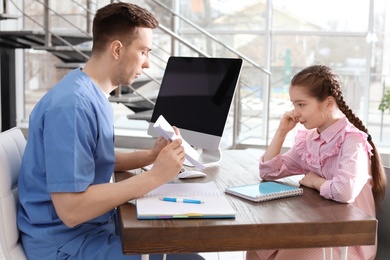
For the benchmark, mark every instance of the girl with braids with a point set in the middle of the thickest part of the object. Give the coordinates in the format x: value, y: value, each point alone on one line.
x: 335, y: 153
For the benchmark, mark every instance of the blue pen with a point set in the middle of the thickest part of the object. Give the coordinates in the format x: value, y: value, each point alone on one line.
x: 181, y: 200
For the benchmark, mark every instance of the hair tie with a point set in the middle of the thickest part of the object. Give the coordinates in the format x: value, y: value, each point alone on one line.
x: 369, y: 138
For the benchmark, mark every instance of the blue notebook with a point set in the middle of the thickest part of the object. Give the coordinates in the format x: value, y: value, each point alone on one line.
x: 264, y: 191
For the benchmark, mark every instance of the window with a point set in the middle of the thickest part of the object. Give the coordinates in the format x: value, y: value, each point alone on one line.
x: 301, y: 32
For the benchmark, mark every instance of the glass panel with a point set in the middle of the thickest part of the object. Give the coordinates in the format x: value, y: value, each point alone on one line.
x: 291, y: 53
x: 331, y: 15
x: 40, y: 76
x: 379, y: 122
x: 251, y: 115
x: 346, y: 55
x: 248, y: 45
x: 339, y: 40
x: 224, y: 14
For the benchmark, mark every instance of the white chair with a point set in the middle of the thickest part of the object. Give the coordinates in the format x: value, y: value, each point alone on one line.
x: 12, y: 144
x: 383, y: 217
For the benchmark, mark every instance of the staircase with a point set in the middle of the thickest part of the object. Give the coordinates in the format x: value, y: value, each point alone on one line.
x: 37, y: 40
x: 74, y: 48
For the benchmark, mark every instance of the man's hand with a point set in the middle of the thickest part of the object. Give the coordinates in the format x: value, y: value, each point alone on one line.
x: 161, y: 143
x: 170, y: 160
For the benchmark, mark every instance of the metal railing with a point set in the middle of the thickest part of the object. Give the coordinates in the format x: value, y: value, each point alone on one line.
x: 174, y: 35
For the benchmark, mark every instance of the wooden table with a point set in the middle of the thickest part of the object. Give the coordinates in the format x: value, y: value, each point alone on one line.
x: 297, y: 222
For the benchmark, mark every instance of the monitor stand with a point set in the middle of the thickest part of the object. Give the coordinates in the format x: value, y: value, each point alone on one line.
x: 208, y: 158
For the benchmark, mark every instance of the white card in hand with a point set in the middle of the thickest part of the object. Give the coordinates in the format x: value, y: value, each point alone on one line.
x: 166, y: 130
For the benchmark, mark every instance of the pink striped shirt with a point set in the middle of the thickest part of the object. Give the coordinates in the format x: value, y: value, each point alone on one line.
x: 341, y: 155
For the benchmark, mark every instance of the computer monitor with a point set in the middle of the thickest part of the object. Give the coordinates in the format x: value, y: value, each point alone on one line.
x: 195, y: 96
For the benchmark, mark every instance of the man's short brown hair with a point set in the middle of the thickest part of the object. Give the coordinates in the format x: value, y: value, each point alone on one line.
x: 119, y: 21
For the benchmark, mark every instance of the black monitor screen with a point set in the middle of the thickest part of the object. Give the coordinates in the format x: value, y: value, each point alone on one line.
x: 196, y: 93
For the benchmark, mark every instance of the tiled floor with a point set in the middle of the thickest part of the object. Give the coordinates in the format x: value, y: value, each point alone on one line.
x: 207, y: 256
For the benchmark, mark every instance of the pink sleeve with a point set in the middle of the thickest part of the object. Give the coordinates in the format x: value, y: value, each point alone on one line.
x: 286, y: 164
x: 270, y: 169
x: 353, y: 170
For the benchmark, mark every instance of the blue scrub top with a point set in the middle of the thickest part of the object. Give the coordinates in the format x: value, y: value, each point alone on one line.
x: 70, y: 146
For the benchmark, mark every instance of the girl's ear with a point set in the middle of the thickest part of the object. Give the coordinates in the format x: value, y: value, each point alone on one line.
x: 330, y: 103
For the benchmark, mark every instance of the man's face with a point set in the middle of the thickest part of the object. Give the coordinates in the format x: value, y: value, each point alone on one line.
x: 134, y: 59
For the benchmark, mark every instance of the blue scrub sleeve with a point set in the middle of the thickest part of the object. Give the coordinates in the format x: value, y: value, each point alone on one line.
x: 70, y: 134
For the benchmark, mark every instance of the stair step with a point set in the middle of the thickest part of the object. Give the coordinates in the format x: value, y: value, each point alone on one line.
x: 27, y: 38
x: 8, y: 16
x: 69, y: 65
x: 67, y: 54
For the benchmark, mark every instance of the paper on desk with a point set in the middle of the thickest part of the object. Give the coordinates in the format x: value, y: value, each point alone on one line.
x: 215, y: 204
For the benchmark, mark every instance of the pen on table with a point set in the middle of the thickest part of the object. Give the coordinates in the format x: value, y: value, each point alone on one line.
x: 181, y: 200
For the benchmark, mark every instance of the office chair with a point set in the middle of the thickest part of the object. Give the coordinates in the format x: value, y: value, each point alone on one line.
x: 12, y: 144
x: 383, y: 215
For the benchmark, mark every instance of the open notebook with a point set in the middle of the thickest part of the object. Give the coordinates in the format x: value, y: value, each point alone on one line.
x: 213, y: 202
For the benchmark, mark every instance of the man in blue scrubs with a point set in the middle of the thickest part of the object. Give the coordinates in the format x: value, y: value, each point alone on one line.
x: 67, y: 203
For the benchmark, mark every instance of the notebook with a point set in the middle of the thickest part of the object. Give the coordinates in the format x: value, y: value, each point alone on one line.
x: 213, y: 202
x: 264, y: 191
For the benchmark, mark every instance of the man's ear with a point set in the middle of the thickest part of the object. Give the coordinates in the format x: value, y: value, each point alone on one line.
x: 116, y: 48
